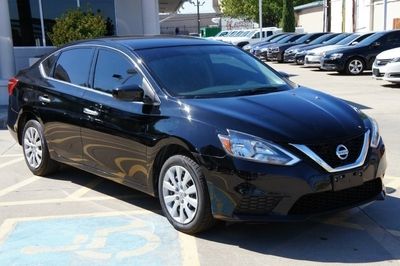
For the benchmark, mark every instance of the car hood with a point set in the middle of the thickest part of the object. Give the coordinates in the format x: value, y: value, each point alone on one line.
x: 323, y: 49
x: 389, y: 54
x: 300, y: 116
x: 297, y: 46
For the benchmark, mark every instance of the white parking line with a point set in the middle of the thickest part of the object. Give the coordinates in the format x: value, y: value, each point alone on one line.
x: 11, y: 162
x: 18, y: 185
x: 190, y: 256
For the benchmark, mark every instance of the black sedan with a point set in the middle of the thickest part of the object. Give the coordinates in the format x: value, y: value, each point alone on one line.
x: 276, y: 52
x: 301, y: 52
x: 262, y: 51
x: 289, y: 55
x: 206, y: 127
x: 353, y: 60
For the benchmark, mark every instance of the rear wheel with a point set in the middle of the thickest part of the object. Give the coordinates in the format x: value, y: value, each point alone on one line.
x: 36, y: 154
x: 184, y: 195
x: 355, y: 66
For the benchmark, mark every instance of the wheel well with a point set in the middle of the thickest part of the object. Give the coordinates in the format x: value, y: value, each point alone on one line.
x: 25, y: 117
x: 163, y: 155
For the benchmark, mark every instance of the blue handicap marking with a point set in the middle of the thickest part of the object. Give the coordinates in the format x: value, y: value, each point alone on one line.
x: 144, y: 239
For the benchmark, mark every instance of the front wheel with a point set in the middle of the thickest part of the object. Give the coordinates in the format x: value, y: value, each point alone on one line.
x: 184, y: 195
x: 36, y: 154
x: 355, y: 66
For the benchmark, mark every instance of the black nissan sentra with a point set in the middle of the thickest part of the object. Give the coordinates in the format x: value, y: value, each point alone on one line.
x: 207, y: 128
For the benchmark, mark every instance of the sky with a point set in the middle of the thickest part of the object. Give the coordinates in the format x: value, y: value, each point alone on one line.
x: 188, y: 8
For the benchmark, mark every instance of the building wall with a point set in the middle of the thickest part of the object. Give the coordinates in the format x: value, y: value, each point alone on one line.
x: 368, y: 13
x: 311, y: 19
x: 187, y: 23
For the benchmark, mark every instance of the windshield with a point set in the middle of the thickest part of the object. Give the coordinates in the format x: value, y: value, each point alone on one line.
x: 372, y: 38
x: 222, y: 33
x: 249, y: 33
x: 337, y: 38
x: 210, y: 71
x: 348, y: 39
x: 285, y: 39
x: 303, y: 38
x: 322, y: 38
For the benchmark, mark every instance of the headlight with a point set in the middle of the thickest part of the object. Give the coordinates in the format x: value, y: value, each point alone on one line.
x: 264, y: 49
x: 301, y: 52
x: 395, y: 60
x: 336, y: 56
x: 375, y: 137
x: 275, y: 50
x: 248, y: 147
x: 295, y: 51
x: 247, y: 47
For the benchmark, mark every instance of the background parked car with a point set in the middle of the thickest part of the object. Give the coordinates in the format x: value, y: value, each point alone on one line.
x: 270, y: 39
x: 355, y: 59
x: 313, y: 57
x: 276, y: 52
x: 383, y: 64
x: 289, y: 54
x: 262, y: 50
x: 301, y: 52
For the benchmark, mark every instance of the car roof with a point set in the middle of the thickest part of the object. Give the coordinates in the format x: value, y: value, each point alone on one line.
x: 149, y: 42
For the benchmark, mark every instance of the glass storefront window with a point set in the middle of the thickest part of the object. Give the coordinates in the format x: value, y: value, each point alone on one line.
x: 25, y: 17
x: 25, y: 22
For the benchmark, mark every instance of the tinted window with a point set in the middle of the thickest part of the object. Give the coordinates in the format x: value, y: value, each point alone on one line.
x: 210, y: 71
x: 394, y: 38
x: 48, y: 64
x: 323, y: 38
x: 73, y: 66
x: 114, y: 70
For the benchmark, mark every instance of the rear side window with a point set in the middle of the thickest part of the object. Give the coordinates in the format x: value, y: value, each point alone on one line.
x: 114, y: 70
x: 48, y: 64
x: 73, y: 66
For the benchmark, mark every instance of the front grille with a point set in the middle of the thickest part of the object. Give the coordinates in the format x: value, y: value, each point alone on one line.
x: 257, y: 204
x: 382, y: 62
x: 327, y: 151
x: 331, y: 200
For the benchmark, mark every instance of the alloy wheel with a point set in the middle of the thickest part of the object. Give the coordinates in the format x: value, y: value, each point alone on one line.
x: 33, y: 147
x: 355, y: 66
x: 180, y: 194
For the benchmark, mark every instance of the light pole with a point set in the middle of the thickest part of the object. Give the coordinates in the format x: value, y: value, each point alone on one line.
x: 260, y: 16
x: 198, y: 5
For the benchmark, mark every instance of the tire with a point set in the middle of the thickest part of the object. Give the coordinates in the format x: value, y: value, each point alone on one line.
x: 188, y: 193
x: 355, y: 66
x: 35, y: 150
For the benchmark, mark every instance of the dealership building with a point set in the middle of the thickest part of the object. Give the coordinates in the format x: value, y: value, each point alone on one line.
x: 25, y: 24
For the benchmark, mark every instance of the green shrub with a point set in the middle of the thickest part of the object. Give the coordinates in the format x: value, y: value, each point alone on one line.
x: 76, y: 25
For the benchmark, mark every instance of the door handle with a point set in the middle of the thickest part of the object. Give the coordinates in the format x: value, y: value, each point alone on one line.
x: 44, y: 99
x: 90, y: 112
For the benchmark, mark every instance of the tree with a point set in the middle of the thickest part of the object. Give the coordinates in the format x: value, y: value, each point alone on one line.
x: 75, y: 25
x: 288, y: 20
x: 248, y: 9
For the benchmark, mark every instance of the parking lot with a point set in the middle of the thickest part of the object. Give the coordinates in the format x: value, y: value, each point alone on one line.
x: 75, y: 218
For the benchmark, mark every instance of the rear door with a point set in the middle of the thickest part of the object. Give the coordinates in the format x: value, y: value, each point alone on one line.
x: 66, y: 76
x: 113, y: 131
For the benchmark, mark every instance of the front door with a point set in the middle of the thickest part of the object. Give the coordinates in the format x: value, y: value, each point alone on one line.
x: 114, y: 131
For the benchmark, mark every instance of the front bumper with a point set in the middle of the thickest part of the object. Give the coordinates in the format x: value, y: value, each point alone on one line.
x: 332, y: 64
x: 392, y: 73
x: 249, y: 191
x: 312, y: 60
x: 299, y: 59
x: 289, y: 57
x: 378, y: 71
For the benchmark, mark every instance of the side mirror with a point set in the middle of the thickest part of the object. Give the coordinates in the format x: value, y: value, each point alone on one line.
x: 130, y: 93
x: 354, y: 43
x: 376, y: 44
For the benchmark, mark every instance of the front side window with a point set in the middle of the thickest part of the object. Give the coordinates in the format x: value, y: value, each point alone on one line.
x: 210, y: 71
x: 113, y: 70
x: 73, y: 66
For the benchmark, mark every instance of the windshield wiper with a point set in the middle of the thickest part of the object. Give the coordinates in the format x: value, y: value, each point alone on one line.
x: 255, y: 91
